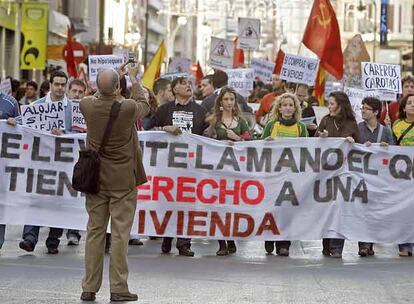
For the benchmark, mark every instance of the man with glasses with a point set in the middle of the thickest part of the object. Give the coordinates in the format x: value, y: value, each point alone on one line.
x: 371, y: 131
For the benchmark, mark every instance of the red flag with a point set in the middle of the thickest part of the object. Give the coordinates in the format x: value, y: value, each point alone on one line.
x: 279, y: 62
x: 319, y: 89
x: 70, y: 61
x: 199, y: 73
x: 323, y: 38
x: 238, y: 58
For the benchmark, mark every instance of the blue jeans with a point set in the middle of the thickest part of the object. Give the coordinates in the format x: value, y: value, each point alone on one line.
x: 31, y: 234
x: 408, y: 246
x: 2, y: 232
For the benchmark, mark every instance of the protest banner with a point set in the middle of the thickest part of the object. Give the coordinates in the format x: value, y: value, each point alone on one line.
x: 5, y: 86
x: 248, y: 33
x: 241, y: 80
x: 44, y: 116
x: 99, y: 62
x: 78, y: 121
x: 179, y: 65
x: 320, y: 112
x: 354, y: 54
x: 285, y: 189
x: 221, y: 53
x: 381, y: 77
x: 299, y: 69
x: 263, y: 69
x: 357, y: 95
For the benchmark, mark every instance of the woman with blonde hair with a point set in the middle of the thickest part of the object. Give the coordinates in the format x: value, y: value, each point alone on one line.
x: 227, y: 124
x: 284, y: 122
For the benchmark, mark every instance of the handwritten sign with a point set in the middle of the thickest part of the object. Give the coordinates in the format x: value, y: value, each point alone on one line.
x: 78, y: 121
x: 299, y: 69
x: 241, y: 80
x: 44, y: 116
x: 263, y: 69
x: 248, y: 33
x: 381, y: 77
x: 99, y: 62
x: 221, y: 53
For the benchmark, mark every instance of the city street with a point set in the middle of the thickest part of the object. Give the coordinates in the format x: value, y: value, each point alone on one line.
x: 250, y: 276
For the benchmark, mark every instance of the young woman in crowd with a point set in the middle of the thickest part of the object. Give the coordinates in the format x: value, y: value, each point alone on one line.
x: 152, y: 100
x: 226, y: 124
x: 340, y: 122
x: 284, y: 122
x: 403, y: 130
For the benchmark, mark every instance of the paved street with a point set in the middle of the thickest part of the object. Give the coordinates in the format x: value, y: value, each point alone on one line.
x: 250, y: 276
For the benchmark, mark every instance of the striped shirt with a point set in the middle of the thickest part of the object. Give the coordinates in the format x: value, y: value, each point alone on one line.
x: 9, y: 107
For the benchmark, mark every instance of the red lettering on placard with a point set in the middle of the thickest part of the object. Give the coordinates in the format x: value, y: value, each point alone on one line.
x: 216, y: 222
x: 143, y: 188
x: 268, y: 223
x: 165, y: 189
x: 180, y: 222
x: 141, y: 221
x: 236, y: 225
x: 260, y: 192
x: 191, y: 231
x: 200, y: 191
x: 229, y: 192
x: 160, y: 228
x: 182, y: 189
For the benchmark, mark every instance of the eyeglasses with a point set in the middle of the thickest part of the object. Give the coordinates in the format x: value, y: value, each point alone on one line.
x: 366, y: 109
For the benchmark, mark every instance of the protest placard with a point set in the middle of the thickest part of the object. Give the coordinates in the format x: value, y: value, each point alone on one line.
x: 263, y: 69
x: 381, y: 77
x: 356, y: 96
x: 248, y: 33
x: 355, y: 53
x: 78, y: 121
x: 299, y: 69
x: 251, y: 190
x: 5, y: 86
x: 179, y: 65
x: 241, y: 80
x: 44, y: 116
x: 98, y: 62
x: 221, y: 53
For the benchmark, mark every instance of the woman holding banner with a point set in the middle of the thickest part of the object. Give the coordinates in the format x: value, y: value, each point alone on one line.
x: 226, y: 124
x: 340, y: 122
x: 403, y: 130
x: 284, y: 122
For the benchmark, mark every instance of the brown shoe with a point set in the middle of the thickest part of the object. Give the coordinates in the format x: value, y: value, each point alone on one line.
x: 88, y: 296
x: 123, y: 297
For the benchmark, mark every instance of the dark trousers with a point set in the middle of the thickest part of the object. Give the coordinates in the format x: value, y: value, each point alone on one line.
x: 182, y: 243
x: 333, y: 245
x: 364, y: 245
x: 73, y: 233
x: 282, y: 244
x: 31, y: 233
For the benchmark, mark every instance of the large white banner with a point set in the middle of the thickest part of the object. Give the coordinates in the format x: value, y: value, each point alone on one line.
x: 286, y: 189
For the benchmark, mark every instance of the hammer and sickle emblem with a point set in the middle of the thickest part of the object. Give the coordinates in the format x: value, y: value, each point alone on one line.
x: 322, y: 19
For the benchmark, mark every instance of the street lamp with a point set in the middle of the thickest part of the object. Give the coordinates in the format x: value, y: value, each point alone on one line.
x: 181, y: 21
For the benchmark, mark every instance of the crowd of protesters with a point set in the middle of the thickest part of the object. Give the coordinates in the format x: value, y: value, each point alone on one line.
x: 223, y: 114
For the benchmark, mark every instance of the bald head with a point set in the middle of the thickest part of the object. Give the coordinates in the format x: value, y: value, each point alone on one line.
x: 107, y: 81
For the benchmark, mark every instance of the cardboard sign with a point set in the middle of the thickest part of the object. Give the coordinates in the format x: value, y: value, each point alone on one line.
x: 248, y: 33
x: 357, y: 95
x: 263, y: 69
x: 78, y: 121
x: 320, y: 112
x: 5, y: 86
x: 241, y: 80
x: 381, y: 77
x: 355, y: 53
x: 99, y: 62
x: 221, y: 53
x: 299, y: 69
x: 44, y: 116
x: 179, y: 65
